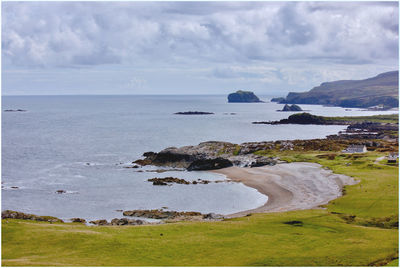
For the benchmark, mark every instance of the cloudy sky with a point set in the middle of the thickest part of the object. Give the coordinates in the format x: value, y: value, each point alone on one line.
x: 193, y: 47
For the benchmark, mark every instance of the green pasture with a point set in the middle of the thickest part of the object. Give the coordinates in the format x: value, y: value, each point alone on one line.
x: 358, y: 229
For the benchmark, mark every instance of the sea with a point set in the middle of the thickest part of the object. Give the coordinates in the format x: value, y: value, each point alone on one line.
x: 84, y: 144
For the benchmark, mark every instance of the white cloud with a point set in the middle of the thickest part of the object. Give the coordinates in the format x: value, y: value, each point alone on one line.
x: 233, y: 40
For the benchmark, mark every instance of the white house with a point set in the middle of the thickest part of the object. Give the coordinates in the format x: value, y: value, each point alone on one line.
x: 354, y: 148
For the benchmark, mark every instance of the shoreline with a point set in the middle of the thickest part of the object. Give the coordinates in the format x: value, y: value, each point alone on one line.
x: 289, y: 186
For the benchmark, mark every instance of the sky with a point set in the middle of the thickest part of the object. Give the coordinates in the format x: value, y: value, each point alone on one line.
x: 271, y: 48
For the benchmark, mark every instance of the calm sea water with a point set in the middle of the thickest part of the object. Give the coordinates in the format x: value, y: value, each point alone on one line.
x: 81, y: 143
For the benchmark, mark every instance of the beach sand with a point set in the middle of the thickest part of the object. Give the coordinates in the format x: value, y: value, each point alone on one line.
x: 289, y: 186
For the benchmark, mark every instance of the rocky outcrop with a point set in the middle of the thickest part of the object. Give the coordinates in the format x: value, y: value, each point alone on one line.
x: 10, y: 214
x: 99, y: 222
x: 291, y: 108
x: 169, y: 180
x: 18, y: 110
x: 205, y: 156
x: 80, y: 220
x: 209, y: 164
x: 278, y: 100
x: 193, y: 113
x: 243, y: 96
x: 160, y: 214
x: 125, y: 221
x: 303, y: 119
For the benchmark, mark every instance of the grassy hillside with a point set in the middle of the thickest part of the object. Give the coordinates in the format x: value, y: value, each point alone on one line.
x: 358, y: 229
x: 379, y: 90
x: 390, y: 118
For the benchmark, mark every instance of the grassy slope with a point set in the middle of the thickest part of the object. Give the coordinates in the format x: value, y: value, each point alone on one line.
x: 261, y: 239
x: 391, y: 118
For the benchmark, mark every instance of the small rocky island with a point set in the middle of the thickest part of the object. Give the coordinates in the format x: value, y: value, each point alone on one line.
x: 243, y: 96
x: 278, y: 99
x: 291, y: 108
x: 193, y: 113
x: 11, y: 110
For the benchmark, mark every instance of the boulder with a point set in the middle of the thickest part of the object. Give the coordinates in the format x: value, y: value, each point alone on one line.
x: 213, y: 216
x: 78, y: 220
x: 99, y: 222
x: 209, y: 164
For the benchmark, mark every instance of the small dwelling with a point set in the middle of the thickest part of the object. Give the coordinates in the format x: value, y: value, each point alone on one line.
x: 354, y: 148
x: 392, y: 158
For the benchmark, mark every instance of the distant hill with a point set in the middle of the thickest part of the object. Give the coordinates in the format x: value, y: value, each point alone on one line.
x: 381, y: 90
x: 243, y: 96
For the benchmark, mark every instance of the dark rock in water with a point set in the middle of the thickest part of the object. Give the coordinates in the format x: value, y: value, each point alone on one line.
x: 159, y: 214
x: 99, y: 222
x: 134, y: 166
x: 10, y: 214
x: 18, y: 110
x: 291, y: 108
x: 278, y: 100
x: 208, y: 164
x: 14, y: 187
x: 78, y: 220
x: 60, y: 191
x: 243, y: 96
x: 166, y: 180
x: 193, y: 113
x: 143, y: 162
x: 161, y: 183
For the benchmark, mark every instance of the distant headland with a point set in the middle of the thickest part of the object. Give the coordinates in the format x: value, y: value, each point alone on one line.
x: 379, y: 91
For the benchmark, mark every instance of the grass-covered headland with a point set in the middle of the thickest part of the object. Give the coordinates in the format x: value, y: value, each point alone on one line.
x: 358, y: 229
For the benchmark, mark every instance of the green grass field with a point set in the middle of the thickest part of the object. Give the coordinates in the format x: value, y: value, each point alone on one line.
x: 389, y: 118
x: 358, y: 229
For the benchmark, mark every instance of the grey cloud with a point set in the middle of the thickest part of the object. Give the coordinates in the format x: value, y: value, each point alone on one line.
x: 46, y: 34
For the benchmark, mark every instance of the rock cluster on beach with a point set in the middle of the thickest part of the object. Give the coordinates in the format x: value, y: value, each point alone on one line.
x: 116, y: 221
x: 10, y: 214
x: 206, y: 156
x: 170, y: 215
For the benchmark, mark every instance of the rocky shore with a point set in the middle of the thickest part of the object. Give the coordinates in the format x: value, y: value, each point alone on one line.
x: 170, y: 180
x: 206, y: 156
x: 10, y: 214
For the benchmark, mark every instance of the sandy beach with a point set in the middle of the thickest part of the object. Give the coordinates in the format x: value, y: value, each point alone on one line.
x: 289, y: 186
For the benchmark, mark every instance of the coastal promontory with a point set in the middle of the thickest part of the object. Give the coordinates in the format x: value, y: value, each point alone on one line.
x: 379, y: 91
x: 243, y: 96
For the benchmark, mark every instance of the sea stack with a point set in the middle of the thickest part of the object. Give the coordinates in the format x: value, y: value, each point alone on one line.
x: 291, y: 108
x: 243, y: 96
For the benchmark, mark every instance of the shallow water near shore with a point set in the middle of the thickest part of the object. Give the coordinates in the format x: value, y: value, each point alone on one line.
x: 81, y: 144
